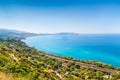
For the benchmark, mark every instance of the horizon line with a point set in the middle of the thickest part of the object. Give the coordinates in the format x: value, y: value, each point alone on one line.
x: 54, y: 32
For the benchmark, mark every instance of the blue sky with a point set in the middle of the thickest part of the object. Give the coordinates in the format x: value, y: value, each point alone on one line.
x: 54, y: 16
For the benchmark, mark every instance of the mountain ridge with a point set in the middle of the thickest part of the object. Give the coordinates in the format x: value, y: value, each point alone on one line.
x: 5, y: 33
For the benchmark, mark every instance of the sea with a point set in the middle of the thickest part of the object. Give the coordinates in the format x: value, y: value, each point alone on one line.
x: 100, y: 47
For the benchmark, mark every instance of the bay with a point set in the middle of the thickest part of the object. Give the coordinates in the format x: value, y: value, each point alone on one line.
x: 101, y: 47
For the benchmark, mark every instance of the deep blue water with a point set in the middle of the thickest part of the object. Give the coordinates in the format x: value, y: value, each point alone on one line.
x: 104, y: 48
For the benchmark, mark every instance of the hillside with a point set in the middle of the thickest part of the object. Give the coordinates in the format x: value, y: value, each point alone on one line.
x: 5, y: 33
x: 20, y: 62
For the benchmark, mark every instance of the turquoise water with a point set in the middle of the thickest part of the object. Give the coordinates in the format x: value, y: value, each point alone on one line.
x: 104, y: 48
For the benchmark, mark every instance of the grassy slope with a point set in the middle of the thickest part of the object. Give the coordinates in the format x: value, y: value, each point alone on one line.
x: 20, y: 62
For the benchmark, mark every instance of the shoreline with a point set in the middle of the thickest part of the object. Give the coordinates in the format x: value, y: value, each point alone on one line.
x: 84, y: 60
x: 78, y: 59
x: 80, y: 62
x: 43, y: 62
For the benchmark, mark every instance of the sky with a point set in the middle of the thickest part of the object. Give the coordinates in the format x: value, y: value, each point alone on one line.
x: 55, y: 16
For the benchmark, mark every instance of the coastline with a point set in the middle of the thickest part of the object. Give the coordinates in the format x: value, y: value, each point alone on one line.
x: 77, y: 58
x: 85, y: 63
x: 43, y: 62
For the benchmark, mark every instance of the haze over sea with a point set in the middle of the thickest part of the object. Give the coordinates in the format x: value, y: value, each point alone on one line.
x: 100, y: 47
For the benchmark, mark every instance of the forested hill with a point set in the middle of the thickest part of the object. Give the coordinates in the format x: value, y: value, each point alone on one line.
x: 5, y: 33
x: 20, y: 62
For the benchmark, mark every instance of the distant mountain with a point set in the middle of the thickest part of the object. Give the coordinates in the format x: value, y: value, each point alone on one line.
x: 5, y: 33
x: 64, y: 33
x: 8, y: 30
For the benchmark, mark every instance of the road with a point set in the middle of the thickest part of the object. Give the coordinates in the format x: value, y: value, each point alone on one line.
x: 83, y: 64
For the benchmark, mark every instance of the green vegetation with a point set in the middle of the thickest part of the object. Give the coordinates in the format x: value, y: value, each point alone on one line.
x: 20, y: 62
